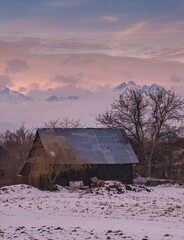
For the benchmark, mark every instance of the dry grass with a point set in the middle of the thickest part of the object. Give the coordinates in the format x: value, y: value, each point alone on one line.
x: 52, y: 159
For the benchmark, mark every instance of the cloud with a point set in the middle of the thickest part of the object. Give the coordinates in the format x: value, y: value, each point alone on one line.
x: 16, y: 65
x: 36, y: 112
x: 22, y: 89
x: 5, y: 80
x: 66, y: 80
x: 159, y: 37
x: 111, y: 19
x: 34, y: 86
x: 74, y: 44
x: 79, y: 103
x: 67, y: 92
x: 176, y: 79
x: 134, y: 28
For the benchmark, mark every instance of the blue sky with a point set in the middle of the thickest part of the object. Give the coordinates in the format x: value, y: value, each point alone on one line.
x: 85, y: 15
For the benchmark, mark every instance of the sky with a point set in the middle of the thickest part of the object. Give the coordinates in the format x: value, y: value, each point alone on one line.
x: 90, y: 45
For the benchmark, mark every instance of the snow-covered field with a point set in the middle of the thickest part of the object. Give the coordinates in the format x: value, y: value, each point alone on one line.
x: 27, y: 213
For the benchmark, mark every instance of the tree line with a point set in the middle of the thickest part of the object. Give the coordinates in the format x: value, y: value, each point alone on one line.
x: 153, y: 122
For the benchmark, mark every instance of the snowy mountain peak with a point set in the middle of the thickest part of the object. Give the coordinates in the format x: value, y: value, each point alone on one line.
x: 152, y: 87
x: 124, y: 85
x: 132, y: 85
x: 3, y: 88
x: 7, y: 95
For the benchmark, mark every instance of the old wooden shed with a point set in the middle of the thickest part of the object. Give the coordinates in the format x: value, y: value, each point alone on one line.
x: 107, y: 152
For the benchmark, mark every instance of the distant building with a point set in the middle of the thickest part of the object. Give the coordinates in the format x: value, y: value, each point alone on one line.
x: 107, y: 152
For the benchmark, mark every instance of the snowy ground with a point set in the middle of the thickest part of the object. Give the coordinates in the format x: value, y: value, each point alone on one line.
x: 27, y: 213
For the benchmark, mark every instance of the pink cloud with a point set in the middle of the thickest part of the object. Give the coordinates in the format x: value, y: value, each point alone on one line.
x: 112, y: 19
x: 16, y: 65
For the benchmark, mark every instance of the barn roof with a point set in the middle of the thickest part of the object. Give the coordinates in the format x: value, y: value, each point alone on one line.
x: 94, y: 145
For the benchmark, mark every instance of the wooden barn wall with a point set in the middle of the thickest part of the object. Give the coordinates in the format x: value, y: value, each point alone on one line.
x: 120, y: 172
x: 13, y: 180
x: 25, y: 171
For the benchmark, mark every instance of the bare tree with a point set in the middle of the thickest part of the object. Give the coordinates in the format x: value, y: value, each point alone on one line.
x: 148, y: 117
x: 64, y: 123
x: 17, y: 144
